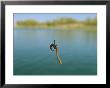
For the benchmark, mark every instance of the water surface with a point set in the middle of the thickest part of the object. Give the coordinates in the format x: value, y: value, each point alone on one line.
x: 77, y: 48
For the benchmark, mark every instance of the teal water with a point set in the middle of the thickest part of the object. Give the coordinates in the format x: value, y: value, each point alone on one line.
x: 77, y: 48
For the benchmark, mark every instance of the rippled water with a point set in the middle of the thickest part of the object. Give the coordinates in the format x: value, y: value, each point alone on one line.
x: 77, y: 48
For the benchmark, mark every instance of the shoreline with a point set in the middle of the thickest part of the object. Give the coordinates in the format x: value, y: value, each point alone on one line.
x: 56, y: 27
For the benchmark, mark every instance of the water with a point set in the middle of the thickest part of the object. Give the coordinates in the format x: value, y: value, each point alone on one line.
x: 77, y: 48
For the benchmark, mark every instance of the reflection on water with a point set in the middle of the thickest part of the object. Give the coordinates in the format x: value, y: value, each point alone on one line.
x: 78, y: 49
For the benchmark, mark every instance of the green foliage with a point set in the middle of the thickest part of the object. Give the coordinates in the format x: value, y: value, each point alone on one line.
x: 91, y: 21
x: 55, y: 22
x: 27, y: 23
x: 61, y: 21
x: 64, y: 21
